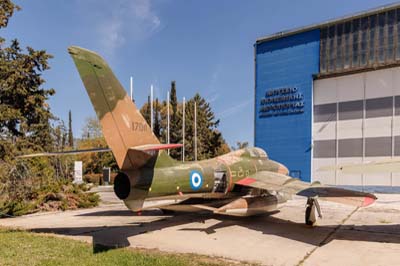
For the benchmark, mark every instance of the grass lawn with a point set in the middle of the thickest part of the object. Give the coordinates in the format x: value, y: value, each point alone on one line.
x: 25, y: 248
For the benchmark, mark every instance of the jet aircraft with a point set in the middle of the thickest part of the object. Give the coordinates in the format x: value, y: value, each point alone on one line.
x: 241, y: 183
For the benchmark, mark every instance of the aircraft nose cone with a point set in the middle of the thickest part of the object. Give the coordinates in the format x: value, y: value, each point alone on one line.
x: 283, y: 169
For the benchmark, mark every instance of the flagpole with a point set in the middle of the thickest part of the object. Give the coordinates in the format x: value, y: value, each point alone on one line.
x: 195, y: 131
x: 183, y: 130
x: 131, y: 88
x: 151, y: 108
x: 168, y: 119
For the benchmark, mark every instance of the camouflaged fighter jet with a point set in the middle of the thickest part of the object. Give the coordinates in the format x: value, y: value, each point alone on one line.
x: 241, y: 183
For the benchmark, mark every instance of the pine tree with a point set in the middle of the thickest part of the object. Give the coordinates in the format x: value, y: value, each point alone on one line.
x: 157, y: 124
x: 24, y: 113
x: 210, y: 140
x: 70, y: 134
x: 7, y: 8
x: 175, y: 123
x: 146, y: 111
x: 174, y: 105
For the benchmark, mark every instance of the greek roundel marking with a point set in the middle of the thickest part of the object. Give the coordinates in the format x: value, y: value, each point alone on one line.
x: 196, y: 180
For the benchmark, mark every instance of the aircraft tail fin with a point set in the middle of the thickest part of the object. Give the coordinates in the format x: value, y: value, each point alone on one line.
x: 122, y: 124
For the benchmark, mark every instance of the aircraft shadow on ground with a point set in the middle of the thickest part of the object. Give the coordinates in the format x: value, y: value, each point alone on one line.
x: 126, y: 212
x: 111, y: 237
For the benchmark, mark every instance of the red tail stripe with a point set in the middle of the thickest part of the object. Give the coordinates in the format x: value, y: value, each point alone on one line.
x: 162, y: 147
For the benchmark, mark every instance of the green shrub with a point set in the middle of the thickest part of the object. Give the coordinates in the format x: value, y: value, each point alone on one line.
x: 23, y: 190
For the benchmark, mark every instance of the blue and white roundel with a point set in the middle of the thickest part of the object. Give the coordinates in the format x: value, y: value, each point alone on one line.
x: 196, y: 180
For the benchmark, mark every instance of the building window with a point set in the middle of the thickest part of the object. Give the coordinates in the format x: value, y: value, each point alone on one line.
x: 381, y: 37
x: 332, y: 50
x: 372, y: 40
x: 339, y: 46
x: 356, y: 42
x: 347, y: 44
x: 364, y: 41
x: 397, y: 37
x: 360, y: 43
x: 323, y: 57
x: 390, y: 36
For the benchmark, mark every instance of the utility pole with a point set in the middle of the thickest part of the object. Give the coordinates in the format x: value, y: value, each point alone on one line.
x: 168, y: 119
x: 195, y: 131
x: 183, y: 130
x: 151, y: 108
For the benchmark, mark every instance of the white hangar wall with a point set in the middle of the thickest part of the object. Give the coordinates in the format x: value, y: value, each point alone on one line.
x: 356, y: 118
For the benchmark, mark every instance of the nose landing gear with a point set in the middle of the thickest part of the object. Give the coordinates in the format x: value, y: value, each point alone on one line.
x: 312, y: 208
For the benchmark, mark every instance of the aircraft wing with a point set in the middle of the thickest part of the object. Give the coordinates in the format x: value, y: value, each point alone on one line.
x: 72, y: 152
x: 382, y: 166
x: 279, y: 183
x: 142, y: 148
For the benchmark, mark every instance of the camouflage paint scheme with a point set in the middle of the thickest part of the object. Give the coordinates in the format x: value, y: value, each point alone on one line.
x: 243, y: 182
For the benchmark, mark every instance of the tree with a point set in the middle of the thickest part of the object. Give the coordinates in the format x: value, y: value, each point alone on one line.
x: 60, y: 135
x: 240, y: 145
x: 7, y: 8
x: 146, y: 111
x: 92, y: 137
x: 157, y: 124
x: 210, y: 140
x: 24, y: 113
x: 92, y: 129
x: 175, y: 122
x: 26, y: 125
x: 70, y: 134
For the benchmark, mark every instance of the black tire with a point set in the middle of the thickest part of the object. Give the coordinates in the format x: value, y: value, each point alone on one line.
x: 307, y: 216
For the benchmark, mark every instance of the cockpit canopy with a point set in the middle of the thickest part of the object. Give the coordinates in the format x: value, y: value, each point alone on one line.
x: 257, y: 153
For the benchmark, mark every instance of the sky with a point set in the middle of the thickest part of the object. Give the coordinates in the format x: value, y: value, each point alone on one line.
x: 205, y: 46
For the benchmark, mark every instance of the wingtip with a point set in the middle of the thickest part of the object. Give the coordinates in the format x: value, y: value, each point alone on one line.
x: 368, y: 201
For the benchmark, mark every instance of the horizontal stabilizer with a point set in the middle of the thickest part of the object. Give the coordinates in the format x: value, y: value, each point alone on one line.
x: 156, y: 147
x: 47, y: 154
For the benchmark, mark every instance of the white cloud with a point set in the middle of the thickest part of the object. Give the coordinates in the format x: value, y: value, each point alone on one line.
x: 119, y: 21
x: 234, y: 109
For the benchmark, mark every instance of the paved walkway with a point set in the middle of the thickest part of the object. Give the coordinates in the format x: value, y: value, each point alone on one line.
x: 345, y: 236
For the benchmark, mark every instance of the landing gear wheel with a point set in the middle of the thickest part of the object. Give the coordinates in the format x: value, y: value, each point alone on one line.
x: 311, y: 211
x: 310, y: 216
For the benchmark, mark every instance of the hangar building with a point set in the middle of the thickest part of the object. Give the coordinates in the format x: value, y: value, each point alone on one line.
x: 329, y: 94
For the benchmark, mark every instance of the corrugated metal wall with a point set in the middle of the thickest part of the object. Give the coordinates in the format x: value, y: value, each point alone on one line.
x: 357, y: 119
x: 286, y: 63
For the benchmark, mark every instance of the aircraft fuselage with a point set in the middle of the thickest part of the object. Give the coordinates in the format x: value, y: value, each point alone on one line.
x: 214, y: 178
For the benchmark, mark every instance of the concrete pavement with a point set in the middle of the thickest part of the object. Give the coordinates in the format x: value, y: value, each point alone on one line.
x: 345, y: 235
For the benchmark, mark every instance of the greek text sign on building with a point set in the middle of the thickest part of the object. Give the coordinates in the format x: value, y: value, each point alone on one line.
x: 281, y: 101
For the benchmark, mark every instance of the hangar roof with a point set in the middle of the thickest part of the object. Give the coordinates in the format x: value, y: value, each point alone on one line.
x: 369, y: 12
